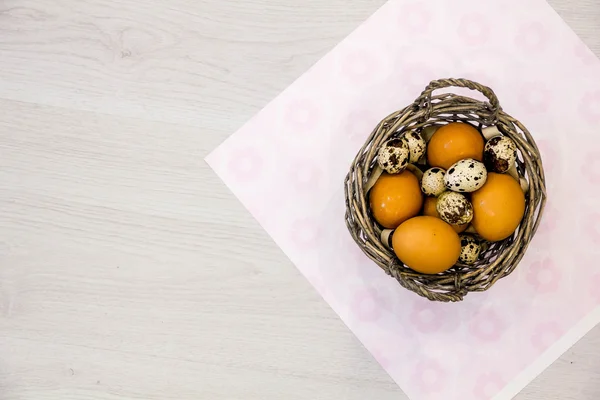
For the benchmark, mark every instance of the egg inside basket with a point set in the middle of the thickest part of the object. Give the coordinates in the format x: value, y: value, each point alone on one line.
x: 447, y: 193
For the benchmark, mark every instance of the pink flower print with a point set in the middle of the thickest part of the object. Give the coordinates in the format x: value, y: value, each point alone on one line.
x: 350, y: 250
x: 368, y: 304
x: 426, y: 317
x: 305, y: 175
x: 590, y: 107
x: 532, y: 36
x: 582, y: 52
x: 245, y: 164
x: 545, y: 334
x: 305, y: 233
x: 590, y: 168
x: 319, y: 284
x: 595, y: 287
x: 261, y: 212
x: 482, y: 77
x: 302, y: 114
x: 360, y: 65
x: 544, y: 276
x: 591, y: 227
x: 358, y: 126
x: 487, y: 326
x: 381, y: 356
x: 549, y: 220
x: 415, y: 18
x: 417, y: 76
x: 549, y: 154
x: 535, y: 97
x: 430, y: 376
x: 474, y: 29
x: 488, y: 385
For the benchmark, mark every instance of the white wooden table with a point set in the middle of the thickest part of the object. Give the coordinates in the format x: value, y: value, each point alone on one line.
x: 127, y: 269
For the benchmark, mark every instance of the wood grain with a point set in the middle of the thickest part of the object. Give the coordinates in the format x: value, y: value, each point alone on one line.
x: 127, y: 269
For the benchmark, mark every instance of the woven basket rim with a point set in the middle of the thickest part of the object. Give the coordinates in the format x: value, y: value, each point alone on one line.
x: 501, y: 258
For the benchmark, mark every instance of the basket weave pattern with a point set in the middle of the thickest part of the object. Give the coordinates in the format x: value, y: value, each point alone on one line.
x: 500, y: 258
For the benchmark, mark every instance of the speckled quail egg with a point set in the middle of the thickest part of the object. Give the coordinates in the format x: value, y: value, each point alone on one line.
x: 500, y: 154
x: 454, y: 208
x: 470, y: 249
x: 416, y: 145
x: 466, y: 175
x: 393, y: 156
x: 433, y: 183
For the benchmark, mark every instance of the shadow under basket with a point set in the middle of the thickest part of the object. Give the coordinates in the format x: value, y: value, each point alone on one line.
x: 500, y: 258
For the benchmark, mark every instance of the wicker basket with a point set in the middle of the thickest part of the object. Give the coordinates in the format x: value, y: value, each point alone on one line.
x: 500, y: 258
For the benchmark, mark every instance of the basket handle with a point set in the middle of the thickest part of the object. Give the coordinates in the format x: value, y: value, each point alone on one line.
x: 424, y: 100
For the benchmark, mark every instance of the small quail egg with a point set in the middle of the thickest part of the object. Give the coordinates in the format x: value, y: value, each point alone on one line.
x: 433, y: 183
x: 467, y: 175
x: 393, y: 156
x: 416, y: 145
x: 470, y: 249
x: 454, y: 208
x: 500, y: 154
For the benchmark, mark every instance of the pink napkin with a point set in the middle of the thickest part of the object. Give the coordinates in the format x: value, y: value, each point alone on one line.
x: 288, y: 163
